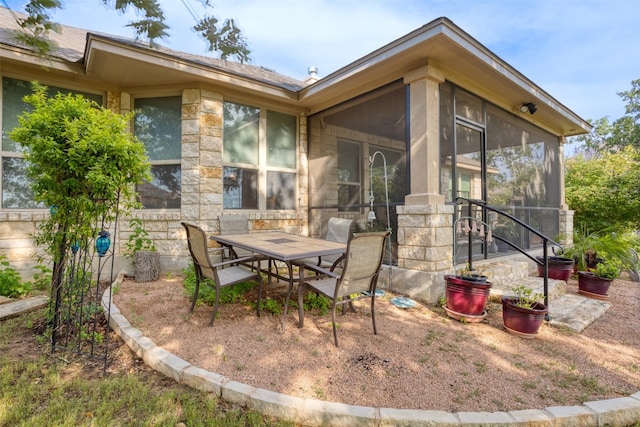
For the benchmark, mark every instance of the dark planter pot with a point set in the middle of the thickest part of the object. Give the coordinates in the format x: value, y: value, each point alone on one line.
x: 466, y: 297
x: 559, y: 268
x: 593, y: 286
x: 520, y: 321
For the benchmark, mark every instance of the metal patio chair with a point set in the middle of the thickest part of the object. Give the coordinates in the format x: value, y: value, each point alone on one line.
x: 338, y: 230
x: 225, y: 273
x: 358, y: 279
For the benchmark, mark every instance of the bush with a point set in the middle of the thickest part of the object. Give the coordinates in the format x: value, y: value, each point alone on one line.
x: 207, y: 291
x: 11, y: 285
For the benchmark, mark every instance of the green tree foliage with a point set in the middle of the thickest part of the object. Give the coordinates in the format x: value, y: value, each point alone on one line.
x: 609, y: 136
x: 227, y: 39
x: 604, y: 192
x: 82, y: 162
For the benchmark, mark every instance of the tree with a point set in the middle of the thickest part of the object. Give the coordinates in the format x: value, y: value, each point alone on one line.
x: 84, y: 165
x: 225, y: 38
x: 610, y: 137
x: 604, y: 192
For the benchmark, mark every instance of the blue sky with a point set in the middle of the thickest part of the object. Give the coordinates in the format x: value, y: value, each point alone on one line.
x: 582, y: 52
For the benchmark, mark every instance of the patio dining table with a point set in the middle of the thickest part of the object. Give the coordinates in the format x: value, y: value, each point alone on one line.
x: 285, y: 247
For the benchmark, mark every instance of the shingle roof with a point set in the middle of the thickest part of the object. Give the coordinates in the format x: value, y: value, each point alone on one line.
x: 70, y: 46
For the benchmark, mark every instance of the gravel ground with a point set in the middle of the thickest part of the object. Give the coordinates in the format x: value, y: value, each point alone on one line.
x: 420, y: 358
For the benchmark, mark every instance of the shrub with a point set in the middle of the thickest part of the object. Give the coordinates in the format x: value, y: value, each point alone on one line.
x: 11, y: 285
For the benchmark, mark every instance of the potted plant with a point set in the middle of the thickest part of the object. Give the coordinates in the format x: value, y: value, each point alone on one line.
x: 590, y: 248
x: 141, y: 250
x: 523, y: 312
x: 559, y: 267
x: 595, y: 283
x: 466, y: 295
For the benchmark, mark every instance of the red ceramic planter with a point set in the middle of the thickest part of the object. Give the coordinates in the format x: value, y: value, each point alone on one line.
x: 593, y: 286
x: 466, y: 297
x: 521, y: 321
x: 559, y: 268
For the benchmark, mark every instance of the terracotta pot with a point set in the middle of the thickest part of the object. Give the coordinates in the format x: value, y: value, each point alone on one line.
x: 520, y: 321
x: 467, y: 297
x: 593, y: 286
x: 559, y: 268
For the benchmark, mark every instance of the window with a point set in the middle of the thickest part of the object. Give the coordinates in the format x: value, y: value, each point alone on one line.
x: 16, y: 186
x: 349, y: 176
x: 158, y: 125
x: 254, y: 148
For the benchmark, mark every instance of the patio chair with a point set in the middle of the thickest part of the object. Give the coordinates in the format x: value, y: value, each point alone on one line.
x: 233, y: 224
x: 358, y: 279
x: 225, y: 273
x: 338, y: 230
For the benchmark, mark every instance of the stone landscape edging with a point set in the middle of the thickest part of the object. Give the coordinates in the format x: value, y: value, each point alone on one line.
x: 621, y: 411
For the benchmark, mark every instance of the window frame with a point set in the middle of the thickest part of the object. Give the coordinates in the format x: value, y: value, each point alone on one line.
x: 353, y: 186
x: 262, y: 169
x: 162, y: 162
x: 6, y: 154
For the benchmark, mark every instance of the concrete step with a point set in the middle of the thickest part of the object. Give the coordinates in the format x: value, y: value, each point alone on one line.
x: 17, y: 307
x: 576, y: 312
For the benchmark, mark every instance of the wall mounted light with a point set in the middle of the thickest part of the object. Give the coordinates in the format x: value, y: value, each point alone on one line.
x: 529, y: 107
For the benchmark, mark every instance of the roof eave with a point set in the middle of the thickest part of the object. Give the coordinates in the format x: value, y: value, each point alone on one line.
x: 130, y: 66
x: 444, y: 44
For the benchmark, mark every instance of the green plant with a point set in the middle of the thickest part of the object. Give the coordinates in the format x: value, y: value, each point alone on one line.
x: 525, y: 297
x: 272, y: 306
x: 607, y: 269
x: 318, y: 302
x: 11, y: 285
x: 139, y: 239
x: 207, y: 291
x: 589, y: 248
x: 42, y: 279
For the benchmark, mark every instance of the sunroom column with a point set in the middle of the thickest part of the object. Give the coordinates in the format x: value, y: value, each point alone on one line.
x: 425, y: 221
x: 425, y: 137
x: 565, y: 230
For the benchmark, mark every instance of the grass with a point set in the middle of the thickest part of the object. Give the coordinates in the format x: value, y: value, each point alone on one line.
x: 39, y: 389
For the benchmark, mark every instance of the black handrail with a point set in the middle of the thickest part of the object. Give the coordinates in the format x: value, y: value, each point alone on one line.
x: 546, y: 241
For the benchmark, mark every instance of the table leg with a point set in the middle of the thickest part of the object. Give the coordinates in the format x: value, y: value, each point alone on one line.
x: 286, y: 302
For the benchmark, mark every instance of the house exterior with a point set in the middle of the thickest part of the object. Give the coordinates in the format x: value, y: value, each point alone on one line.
x: 436, y: 107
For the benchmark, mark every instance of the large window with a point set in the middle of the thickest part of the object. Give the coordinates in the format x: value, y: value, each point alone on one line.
x: 349, y: 176
x: 158, y: 125
x: 15, y: 185
x: 259, y: 156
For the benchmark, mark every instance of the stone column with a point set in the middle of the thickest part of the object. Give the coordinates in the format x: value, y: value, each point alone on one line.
x: 565, y: 226
x: 425, y: 136
x: 424, y: 223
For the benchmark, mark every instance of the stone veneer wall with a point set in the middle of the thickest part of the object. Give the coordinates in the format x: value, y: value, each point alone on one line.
x: 201, y: 199
x: 425, y: 240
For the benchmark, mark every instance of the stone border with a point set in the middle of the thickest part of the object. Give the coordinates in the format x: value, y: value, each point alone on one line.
x: 312, y: 412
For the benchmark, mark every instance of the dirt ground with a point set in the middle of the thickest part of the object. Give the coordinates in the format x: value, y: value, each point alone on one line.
x: 420, y: 358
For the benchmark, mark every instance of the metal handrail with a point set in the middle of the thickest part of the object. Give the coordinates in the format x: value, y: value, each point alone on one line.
x: 546, y: 241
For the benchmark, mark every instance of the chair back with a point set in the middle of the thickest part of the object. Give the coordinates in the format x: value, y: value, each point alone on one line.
x: 197, y: 242
x: 339, y: 230
x: 362, y: 263
x: 234, y: 224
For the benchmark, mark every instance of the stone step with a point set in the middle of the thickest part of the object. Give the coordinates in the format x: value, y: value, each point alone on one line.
x: 17, y: 307
x: 557, y: 288
x: 576, y: 312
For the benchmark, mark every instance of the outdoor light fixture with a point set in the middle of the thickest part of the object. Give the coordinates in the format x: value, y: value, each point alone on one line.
x: 530, y: 107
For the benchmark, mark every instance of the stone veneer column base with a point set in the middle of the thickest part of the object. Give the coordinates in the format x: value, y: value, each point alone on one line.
x: 425, y: 245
